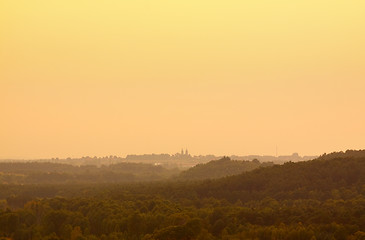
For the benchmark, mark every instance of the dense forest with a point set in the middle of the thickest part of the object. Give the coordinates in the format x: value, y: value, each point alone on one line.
x: 319, y: 199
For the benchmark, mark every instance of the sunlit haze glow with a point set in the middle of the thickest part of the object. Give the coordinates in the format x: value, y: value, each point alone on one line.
x: 228, y: 77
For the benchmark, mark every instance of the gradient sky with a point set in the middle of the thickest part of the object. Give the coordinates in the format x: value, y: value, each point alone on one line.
x: 91, y: 77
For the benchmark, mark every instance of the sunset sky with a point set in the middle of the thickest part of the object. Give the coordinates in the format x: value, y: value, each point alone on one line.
x: 112, y: 77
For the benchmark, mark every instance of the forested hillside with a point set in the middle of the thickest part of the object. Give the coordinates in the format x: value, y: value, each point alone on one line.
x: 323, y: 199
x: 317, y: 179
x: 220, y: 168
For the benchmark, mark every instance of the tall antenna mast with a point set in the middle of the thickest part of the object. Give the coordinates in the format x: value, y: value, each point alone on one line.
x: 276, y: 150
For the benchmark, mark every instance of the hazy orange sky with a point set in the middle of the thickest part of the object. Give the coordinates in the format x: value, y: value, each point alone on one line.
x: 227, y: 77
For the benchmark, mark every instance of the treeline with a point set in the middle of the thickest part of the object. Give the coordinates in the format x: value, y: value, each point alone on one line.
x: 346, y: 154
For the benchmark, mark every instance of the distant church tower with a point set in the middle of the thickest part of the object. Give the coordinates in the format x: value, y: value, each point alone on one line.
x: 186, y: 152
x: 182, y: 151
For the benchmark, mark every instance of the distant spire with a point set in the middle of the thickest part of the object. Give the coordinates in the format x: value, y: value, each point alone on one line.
x: 182, y: 151
x: 186, y: 152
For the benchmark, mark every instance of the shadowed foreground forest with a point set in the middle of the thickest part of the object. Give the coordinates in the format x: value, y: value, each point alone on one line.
x: 319, y: 199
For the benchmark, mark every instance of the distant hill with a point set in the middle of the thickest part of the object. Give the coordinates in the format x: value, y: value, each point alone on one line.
x: 220, y: 168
